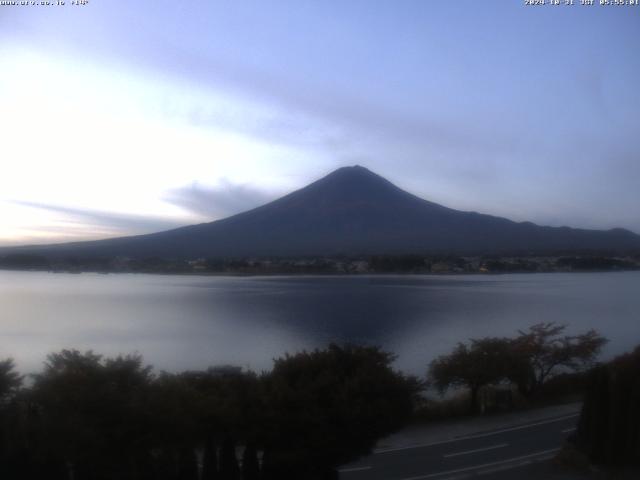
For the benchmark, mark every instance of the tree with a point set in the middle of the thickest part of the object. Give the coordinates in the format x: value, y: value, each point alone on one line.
x: 92, y: 412
x: 67, y: 394
x: 482, y: 362
x: 250, y: 464
x: 528, y: 360
x: 327, y: 407
x: 10, y: 380
x: 174, y: 407
x: 609, y: 427
x: 229, y: 469
x: 210, y: 461
x: 542, y: 351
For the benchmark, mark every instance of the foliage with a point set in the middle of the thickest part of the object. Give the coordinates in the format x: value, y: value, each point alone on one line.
x: 21, y: 261
x: 92, y: 412
x: 594, y: 263
x: 609, y: 426
x: 93, y: 418
x: 529, y: 360
x: 10, y: 380
x: 327, y: 407
x: 543, y: 351
x: 480, y: 363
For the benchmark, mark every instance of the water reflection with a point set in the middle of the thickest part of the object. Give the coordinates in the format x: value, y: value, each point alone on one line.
x: 180, y: 322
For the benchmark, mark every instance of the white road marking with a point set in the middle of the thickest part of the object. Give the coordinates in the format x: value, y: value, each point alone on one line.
x: 354, y: 469
x: 502, y: 468
x: 567, y: 430
x: 471, y: 437
x: 492, y: 447
x: 485, y: 465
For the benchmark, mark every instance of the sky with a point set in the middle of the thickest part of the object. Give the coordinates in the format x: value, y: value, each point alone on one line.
x: 121, y: 117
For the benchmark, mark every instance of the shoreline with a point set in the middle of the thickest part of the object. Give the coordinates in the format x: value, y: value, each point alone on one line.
x: 317, y: 274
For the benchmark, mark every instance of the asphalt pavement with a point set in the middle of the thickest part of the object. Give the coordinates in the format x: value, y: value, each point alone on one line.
x: 487, y: 453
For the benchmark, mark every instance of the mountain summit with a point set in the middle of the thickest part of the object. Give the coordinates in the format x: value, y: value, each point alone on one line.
x: 352, y: 211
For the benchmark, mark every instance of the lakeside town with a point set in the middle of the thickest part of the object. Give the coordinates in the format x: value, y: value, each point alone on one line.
x: 405, y: 264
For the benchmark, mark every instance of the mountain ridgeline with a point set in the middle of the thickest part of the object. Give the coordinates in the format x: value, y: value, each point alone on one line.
x: 351, y: 211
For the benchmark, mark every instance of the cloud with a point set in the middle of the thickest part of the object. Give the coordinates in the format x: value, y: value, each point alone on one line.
x: 322, y: 117
x: 221, y: 201
x: 101, y: 221
x: 275, y: 127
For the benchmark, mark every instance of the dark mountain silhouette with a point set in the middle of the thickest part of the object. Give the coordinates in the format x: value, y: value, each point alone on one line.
x: 351, y: 211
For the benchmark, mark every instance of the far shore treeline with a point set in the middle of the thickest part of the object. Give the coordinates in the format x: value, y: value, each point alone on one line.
x: 88, y: 417
x: 360, y: 264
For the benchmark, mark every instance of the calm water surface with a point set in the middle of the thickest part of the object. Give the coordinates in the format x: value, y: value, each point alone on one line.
x: 180, y: 322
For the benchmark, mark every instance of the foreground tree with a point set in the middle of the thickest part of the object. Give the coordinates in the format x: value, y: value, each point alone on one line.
x: 481, y: 362
x: 528, y: 360
x: 10, y: 383
x: 229, y: 413
x: 91, y: 415
x: 609, y: 426
x: 10, y: 380
x: 327, y: 407
x: 92, y: 418
x: 543, y: 350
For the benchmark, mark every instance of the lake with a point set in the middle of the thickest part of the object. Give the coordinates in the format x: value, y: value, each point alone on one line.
x: 188, y: 322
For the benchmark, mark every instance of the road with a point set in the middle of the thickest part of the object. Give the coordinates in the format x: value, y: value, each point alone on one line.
x: 483, y: 453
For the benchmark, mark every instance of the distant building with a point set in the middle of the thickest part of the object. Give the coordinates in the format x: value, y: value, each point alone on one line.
x: 440, y: 267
